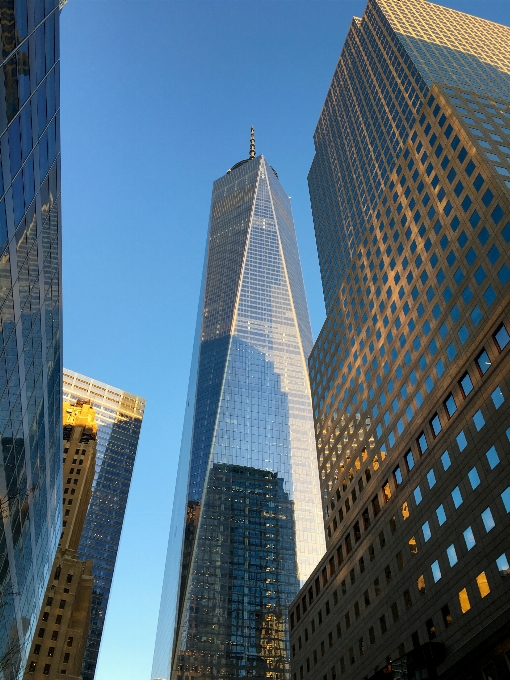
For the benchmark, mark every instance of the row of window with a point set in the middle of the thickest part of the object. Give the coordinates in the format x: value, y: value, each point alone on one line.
x: 473, y: 476
x: 501, y: 339
x: 465, y: 598
x: 487, y: 198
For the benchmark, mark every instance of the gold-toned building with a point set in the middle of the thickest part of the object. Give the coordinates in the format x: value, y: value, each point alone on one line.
x: 61, y: 633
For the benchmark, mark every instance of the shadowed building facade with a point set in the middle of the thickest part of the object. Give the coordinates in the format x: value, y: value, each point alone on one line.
x: 410, y: 191
x: 30, y: 319
x: 246, y: 519
x: 119, y: 417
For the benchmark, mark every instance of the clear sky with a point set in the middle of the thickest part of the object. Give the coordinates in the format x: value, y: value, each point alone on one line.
x: 157, y: 101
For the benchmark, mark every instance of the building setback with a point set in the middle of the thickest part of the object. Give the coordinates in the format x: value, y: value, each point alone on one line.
x: 30, y: 319
x: 246, y: 527
x: 64, y: 619
x: 119, y: 417
x: 410, y: 373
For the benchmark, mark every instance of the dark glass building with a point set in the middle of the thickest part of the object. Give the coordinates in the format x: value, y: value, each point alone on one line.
x: 119, y: 417
x: 246, y: 519
x: 30, y: 319
x: 410, y: 374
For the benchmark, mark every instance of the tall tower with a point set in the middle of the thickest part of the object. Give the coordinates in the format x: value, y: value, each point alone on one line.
x: 118, y: 416
x: 64, y: 619
x: 410, y: 374
x: 246, y: 526
x: 30, y: 320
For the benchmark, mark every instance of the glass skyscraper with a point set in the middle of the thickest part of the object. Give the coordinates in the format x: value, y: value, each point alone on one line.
x: 246, y: 524
x: 119, y: 417
x: 30, y: 312
x: 410, y: 374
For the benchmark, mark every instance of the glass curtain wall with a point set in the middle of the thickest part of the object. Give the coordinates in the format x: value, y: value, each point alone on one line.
x: 30, y: 319
x: 248, y: 531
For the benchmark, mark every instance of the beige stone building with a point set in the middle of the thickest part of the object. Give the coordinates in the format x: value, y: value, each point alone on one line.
x: 61, y: 633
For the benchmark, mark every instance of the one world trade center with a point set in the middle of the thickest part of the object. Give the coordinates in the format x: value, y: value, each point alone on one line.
x: 246, y: 527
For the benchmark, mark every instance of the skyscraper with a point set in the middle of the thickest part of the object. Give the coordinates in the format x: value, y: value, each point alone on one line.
x: 410, y: 191
x: 30, y: 309
x: 64, y: 619
x: 119, y: 417
x: 246, y: 518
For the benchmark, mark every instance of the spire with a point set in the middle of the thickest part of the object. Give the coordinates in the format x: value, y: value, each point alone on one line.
x: 252, y: 143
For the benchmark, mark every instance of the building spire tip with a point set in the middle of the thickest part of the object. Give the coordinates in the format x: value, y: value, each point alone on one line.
x: 252, y: 143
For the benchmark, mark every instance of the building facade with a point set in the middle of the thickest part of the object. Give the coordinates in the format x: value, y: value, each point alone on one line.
x: 246, y: 525
x: 30, y: 309
x: 64, y: 620
x: 410, y: 373
x: 119, y: 417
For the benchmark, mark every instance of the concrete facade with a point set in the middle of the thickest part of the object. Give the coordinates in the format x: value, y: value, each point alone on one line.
x: 411, y: 389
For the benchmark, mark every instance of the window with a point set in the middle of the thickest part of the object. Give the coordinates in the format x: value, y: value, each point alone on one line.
x: 382, y: 622
x: 465, y: 384
x: 51, y: 651
x: 386, y: 491
x: 479, y: 420
x: 457, y: 497
x: 421, y: 584
x: 426, y: 531
x: 447, y: 617
x: 431, y: 478
x: 431, y: 630
x: 497, y: 397
x: 483, y: 584
x: 483, y: 362
x: 441, y: 515
x: 417, y: 495
x: 376, y: 508
x: 435, y: 425
x: 445, y: 460
x: 488, y: 520
x: 474, y: 478
x: 465, y: 605
x: 469, y: 538
x: 40, y: 633
x: 46, y: 670
x: 32, y: 667
x: 397, y: 475
x: 422, y: 443
x: 492, y: 457
x: 409, y: 460
x: 501, y: 338
x: 452, y: 555
x: 450, y: 405
x: 45, y: 616
x: 505, y: 497
x: 436, y: 571
x: 66, y: 657
x: 37, y: 649
x: 461, y: 440
x: 502, y: 564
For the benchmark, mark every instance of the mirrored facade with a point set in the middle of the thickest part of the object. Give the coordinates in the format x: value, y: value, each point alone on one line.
x: 30, y: 319
x: 246, y: 526
x: 119, y: 417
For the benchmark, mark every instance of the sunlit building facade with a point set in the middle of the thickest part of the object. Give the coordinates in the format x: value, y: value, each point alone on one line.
x: 246, y: 525
x: 30, y: 311
x: 410, y: 374
x: 64, y: 620
x: 118, y: 415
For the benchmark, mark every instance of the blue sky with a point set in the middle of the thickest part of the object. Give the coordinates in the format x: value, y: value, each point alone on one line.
x: 157, y: 101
